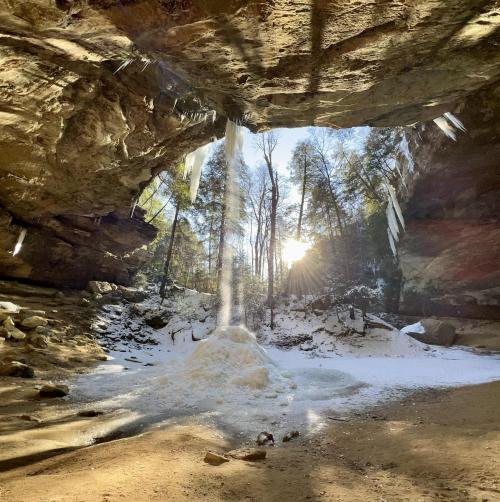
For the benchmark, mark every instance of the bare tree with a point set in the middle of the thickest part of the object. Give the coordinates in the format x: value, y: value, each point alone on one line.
x: 266, y: 143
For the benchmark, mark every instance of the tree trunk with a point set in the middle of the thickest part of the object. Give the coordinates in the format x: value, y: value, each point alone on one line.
x: 272, y: 247
x: 301, y: 211
x: 169, y: 253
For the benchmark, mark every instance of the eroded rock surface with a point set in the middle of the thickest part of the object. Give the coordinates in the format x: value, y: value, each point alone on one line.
x: 451, y: 254
x: 99, y: 96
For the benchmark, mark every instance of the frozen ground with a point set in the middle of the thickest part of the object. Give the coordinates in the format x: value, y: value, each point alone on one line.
x: 244, y: 388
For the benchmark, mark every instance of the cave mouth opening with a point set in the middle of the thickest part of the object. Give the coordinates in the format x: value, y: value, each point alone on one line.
x: 330, y: 189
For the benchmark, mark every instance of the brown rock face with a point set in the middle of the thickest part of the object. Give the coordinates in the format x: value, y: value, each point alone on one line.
x: 451, y: 253
x: 98, y: 96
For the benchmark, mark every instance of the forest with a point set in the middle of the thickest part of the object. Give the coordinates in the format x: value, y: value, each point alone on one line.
x: 319, y: 225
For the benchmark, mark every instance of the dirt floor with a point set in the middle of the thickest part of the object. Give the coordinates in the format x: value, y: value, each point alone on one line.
x: 434, y: 446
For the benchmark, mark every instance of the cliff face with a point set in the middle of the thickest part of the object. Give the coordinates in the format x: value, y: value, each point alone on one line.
x: 451, y: 251
x: 97, y: 96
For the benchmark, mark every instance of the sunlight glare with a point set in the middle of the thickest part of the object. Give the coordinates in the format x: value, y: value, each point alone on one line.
x: 294, y: 250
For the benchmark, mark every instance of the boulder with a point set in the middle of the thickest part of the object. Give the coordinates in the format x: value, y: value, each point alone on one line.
x: 433, y: 332
x: 248, y: 454
x: 10, y: 330
x: 38, y: 340
x: 290, y: 435
x: 213, y: 458
x: 8, y: 309
x: 33, y: 322
x: 16, y: 369
x: 51, y: 390
x: 132, y: 295
x: 100, y: 287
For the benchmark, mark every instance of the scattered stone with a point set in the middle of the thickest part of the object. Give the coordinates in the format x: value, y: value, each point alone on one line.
x: 16, y: 369
x: 10, y: 330
x: 132, y: 295
x: 33, y: 322
x: 132, y: 360
x: 84, y: 302
x: 248, y: 454
x: 8, y: 309
x: 265, y: 438
x: 213, y: 458
x: 100, y: 287
x: 90, y: 413
x: 50, y: 390
x: 149, y: 364
x: 290, y: 435
x: 30, y: 418
x: 32, y: 312
x: 39, y: 341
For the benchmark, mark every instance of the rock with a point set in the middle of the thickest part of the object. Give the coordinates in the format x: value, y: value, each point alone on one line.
x: 30, y: 418
x: 132, y: 295
x: 90, y: 413
x: 156, y: 321
x: 248, y: 454
x: 84, y: 302
x: 60, y: 295
x: 33, y: 322
x: 38, y: 340
x: 100, y: 287
x: 436, y: 333
x: 11, y: 331
x: 8, y: 309
x: 213, y: 458
x: 16, y: 369
x: 290, y: 435
x: 51, y: 390
x: 264, y: 438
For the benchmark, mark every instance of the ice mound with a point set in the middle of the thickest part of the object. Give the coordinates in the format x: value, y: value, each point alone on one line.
x: 231, y: 356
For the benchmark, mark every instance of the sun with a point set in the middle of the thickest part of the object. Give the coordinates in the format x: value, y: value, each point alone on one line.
x: 294, y: 250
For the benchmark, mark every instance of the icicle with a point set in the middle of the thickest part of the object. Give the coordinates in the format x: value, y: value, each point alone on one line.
x: 19, y: 243
x: 457, y: 123
x: 214, y: 116
x: 199, y: 158
x: 188, y: 165
x: 175, y: 104
x: 395, y: 203
x: 391, y: 243
x: 125, y: 63
x: 443, y: 124
x: 391, y: 221
x: 134, y: 205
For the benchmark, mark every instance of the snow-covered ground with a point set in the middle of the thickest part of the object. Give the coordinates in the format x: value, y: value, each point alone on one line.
x: 244, y: 388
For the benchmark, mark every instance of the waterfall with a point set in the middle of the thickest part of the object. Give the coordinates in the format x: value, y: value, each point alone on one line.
x: 233, y: 146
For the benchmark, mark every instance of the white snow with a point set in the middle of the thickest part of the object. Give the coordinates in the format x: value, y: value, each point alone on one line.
x: 230, y: 380
x: 414, y: 328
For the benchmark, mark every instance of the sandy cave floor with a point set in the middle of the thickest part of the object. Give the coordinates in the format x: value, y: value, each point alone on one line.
x: 401, y: 440
x: 435, y: 445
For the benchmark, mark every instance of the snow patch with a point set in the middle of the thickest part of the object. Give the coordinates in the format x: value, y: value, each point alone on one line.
x: 414, y: 328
